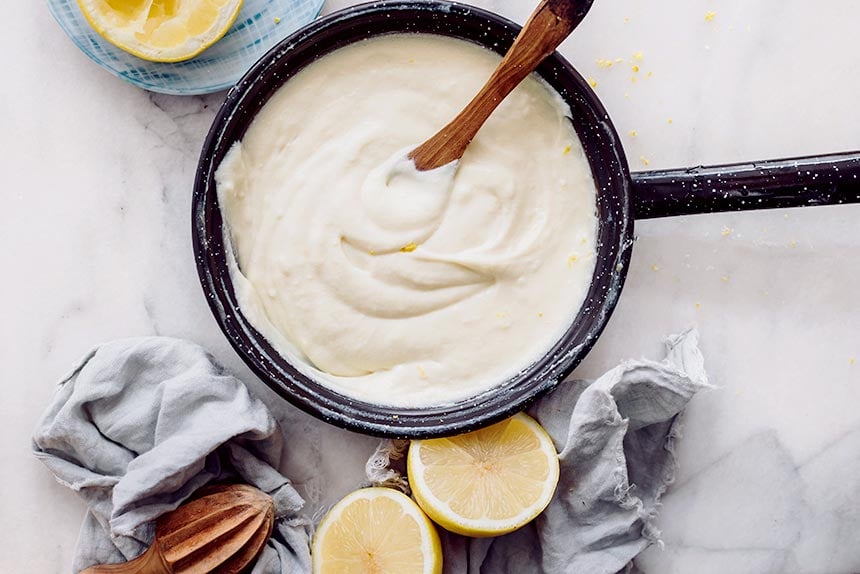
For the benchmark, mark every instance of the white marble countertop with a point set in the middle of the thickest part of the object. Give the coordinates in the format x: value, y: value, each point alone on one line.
x: 96, y: 245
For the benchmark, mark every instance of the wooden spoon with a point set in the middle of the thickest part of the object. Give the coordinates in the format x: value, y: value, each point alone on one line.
x: 548, y: 26
x: 223, y: 530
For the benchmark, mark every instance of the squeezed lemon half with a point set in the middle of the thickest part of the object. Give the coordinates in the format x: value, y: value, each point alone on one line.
x: 376, y: 531
x: 488, y: 482
x: 161, y: 30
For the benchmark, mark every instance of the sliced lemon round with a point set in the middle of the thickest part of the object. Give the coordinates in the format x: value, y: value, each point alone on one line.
x: 376, y: 531
x: 488, y: 482
x: 161, y: 30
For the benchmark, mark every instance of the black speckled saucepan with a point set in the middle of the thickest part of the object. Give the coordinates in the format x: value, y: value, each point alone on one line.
x: 621, y: 197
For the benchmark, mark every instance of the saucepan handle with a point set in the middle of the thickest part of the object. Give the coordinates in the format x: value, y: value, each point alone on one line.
x: 803, y: 181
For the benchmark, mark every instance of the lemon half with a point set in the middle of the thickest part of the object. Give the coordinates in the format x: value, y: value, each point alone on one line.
x: 161, y: 30
x: 488, y: 482
x: 376, y: 531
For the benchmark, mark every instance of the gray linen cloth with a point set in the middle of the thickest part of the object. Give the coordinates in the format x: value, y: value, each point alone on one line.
x: 141, y: 424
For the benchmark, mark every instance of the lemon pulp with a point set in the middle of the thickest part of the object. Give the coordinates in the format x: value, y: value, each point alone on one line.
x: 161, y: 30
x: 486, y: 482
x: 376, y: 531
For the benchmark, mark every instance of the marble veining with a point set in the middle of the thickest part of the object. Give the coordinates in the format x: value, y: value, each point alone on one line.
x: 97, y: 245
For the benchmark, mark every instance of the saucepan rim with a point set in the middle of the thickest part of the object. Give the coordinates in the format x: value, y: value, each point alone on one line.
x: 615, y: 227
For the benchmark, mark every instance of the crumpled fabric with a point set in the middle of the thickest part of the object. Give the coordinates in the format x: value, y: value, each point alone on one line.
x: 615, y: 437
x: 141, y: 424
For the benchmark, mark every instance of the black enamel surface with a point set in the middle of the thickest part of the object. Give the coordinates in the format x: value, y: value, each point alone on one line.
x: 605, y: 156
x: 797, y: 182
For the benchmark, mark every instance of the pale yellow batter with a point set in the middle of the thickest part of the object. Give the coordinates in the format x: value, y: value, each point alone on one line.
x: 396, y: 287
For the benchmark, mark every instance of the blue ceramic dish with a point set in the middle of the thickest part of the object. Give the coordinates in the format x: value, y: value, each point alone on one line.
x: 260, y: 25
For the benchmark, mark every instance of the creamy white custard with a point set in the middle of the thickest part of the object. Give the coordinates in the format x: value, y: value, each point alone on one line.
x: 396, y: 290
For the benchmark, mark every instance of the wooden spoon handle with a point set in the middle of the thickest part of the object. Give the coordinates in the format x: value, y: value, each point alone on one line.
x: 548, y: 26
x: 150, y: 562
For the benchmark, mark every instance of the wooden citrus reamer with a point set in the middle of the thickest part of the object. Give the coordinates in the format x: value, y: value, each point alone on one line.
x: 223, y: 531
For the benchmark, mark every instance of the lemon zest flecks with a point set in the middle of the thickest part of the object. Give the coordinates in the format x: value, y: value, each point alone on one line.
x: 637, y: 57
x: 421, y: 372
x: 724, y: 278
x: 635, y: 68
x: 592, y: 82
x: 409, y: 247
x: 644, y: 160
x: 655, y: 267
x: 571, y: 260
x: 726, y: 231
x: 277, y: 20
x: 670, y: 121
x: 710, y: 15
x: 851, y: 361
x: 698, y: 306
x: 633, y: 133
x: 566, y: 150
